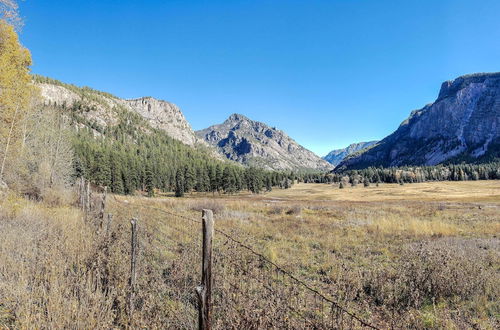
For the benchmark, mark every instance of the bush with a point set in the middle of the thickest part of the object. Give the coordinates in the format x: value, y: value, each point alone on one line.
x: 294, y: 210
x: 58, y: 196
x: 208, y: 204
x: 280, y: 209
x: 276, y: 209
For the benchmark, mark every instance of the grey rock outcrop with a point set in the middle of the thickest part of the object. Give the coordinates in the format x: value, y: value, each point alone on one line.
x: 256, y: 144
x: 463, y: 124
x: 165, y: 116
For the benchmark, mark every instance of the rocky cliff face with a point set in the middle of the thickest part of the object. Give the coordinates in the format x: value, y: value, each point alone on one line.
x: 334, y: 157
x: 165, y: 116
x: 462, y: 124
x: 253, y: 143
x: 102, y: 109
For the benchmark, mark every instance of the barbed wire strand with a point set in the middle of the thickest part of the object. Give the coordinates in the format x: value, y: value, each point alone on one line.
x: 262, y: 257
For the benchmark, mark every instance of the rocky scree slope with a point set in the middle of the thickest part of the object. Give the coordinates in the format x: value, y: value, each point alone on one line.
x: 463, y: 124
x: 256, y: 144
x: 334, y: 157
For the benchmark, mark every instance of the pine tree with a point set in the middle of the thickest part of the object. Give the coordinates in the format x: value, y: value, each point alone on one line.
x: 269, y: 184
x: 116, y: 175
x: 150, y: 188
x: 228, y: 181
x: 218, y: 178
x: 179, y: 183
x: 189, y: 178
x: 101, y: 170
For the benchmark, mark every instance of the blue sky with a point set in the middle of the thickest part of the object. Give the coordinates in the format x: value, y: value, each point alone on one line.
x: 329, y: 72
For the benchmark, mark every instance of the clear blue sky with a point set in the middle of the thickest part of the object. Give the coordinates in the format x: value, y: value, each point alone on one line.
x: 327, y: 72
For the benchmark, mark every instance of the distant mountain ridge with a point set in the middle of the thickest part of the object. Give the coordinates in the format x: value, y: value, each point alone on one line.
x: 463, y: 124
x: 256, y: 144
x: 334, y: 157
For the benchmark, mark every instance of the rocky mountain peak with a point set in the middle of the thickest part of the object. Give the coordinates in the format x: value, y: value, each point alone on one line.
x: 236, y: 117
x: 255, y: 143
x: 451, y: 87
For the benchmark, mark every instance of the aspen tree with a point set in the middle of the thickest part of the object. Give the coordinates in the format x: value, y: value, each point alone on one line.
x: 16, y: 91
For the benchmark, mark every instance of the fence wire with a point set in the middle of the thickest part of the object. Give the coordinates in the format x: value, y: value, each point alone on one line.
x: 250, y: 291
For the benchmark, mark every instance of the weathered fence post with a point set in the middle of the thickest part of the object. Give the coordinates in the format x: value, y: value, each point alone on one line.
x: 133, y: 261
x: 103, y: 207
x: 108, y: 224
x: 82, y: 193
x: 87, y: 196
x: 204, y: 290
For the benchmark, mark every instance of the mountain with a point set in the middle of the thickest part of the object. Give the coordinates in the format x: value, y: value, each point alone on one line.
x: 463, y: 124
x: 254, y: 143
x: 142, y: 144
x: 103, y: 109
x: 334, y: 157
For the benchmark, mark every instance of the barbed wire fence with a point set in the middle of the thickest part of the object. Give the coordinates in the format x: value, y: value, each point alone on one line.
x: 249, y: 290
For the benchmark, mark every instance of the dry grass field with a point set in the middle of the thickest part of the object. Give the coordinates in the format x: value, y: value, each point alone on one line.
x: 458, y: 191
x: 414, y: 256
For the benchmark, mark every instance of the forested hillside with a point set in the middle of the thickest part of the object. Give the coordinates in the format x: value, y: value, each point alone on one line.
x: 118, y: 148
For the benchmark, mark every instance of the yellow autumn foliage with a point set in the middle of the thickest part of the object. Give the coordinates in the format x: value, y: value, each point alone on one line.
x: 16, y: 91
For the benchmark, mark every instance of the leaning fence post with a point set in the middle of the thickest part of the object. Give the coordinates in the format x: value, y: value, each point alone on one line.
x: 204, y: 290
x: 133, y: 260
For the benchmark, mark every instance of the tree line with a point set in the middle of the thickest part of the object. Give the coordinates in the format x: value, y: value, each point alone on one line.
x: 410, y: 174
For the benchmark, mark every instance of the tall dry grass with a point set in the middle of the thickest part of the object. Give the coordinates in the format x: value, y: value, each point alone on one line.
x: 404, y: 264
x: 46, y: 276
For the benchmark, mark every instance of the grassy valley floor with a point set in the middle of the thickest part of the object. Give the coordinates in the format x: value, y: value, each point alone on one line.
x: 421, y: 255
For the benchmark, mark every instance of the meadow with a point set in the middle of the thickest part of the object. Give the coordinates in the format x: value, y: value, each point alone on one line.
x: 421, y: 255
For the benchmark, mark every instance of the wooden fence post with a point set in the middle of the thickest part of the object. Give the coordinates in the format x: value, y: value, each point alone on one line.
x: 103, y: 207
x: 108, y: 224
x: 204, y: 290
x: 80, y: 188
x: 87, y: 196
x: 133, y: 261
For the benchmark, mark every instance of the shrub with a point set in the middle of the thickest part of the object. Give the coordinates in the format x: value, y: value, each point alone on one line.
x: 294, y: 210
x: 208, y: 204
x: 276, y: 209
x: 58, y: 196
